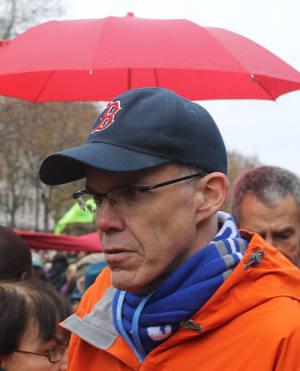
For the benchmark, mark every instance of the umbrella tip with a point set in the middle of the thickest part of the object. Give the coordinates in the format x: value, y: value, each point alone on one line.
x: 130, y: 14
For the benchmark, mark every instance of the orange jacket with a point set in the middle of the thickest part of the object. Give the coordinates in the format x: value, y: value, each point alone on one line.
x: 252, y: 323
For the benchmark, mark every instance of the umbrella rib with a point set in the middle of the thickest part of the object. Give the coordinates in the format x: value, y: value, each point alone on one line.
x: 254, y: 79
x: 129, y: 78
x: 225, y: 48
x: 43, y: 87
x: 99, y: 34
x: 252, y: 76
x: 155, y: 76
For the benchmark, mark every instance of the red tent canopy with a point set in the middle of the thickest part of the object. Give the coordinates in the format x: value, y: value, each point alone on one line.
x: 48, y: 241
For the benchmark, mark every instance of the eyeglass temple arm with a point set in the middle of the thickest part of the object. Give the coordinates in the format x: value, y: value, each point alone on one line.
x: 149, y: 188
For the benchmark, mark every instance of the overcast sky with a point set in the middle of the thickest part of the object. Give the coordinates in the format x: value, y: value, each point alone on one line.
x: 267, y: 129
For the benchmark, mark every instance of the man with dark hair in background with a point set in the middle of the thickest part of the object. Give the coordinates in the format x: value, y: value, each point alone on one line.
x: 266, y: 200
x: 15, y: 256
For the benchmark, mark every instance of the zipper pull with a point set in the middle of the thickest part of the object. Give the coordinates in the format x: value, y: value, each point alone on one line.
x: 190, y: 324
x: 255, y: 258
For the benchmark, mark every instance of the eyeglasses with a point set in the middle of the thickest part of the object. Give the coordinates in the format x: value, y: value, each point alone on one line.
x: 54, y: 355
x: 122, y: 199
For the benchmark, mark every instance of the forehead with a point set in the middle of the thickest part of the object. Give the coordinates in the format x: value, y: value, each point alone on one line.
x: 31, y: 335
x: 254, y: 214
x: 96, y: 178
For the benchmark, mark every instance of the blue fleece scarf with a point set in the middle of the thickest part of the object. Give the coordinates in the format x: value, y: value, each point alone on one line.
x: 145, y: 321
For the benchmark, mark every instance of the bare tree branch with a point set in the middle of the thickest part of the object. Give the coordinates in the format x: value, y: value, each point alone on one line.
x: 19, y: 15
x: 29, y: 132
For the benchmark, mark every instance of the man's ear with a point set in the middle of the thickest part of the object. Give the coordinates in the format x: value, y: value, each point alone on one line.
x: 211, y: 192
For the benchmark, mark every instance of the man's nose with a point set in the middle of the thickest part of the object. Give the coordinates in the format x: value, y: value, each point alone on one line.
x: 269, y: 238
x: 108, y: 218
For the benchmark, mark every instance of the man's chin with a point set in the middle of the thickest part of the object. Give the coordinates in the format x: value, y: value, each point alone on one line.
x: 124, y: 281
x: 121, y: 279
x: 131, y: 285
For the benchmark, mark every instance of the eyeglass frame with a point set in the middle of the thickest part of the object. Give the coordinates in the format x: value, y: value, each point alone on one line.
x: 47, y: 353
x: 140, y: 189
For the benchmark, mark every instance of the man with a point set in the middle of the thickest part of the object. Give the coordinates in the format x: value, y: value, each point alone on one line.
x: 183, y: 289
x: 266, y: 200
x: 15, y: 257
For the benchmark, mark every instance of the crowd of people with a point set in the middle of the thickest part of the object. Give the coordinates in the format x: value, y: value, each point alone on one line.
x: 37, y: 291
x: 180, y: 284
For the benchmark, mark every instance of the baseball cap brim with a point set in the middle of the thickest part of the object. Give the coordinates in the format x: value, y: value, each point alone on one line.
x: 70, y: 165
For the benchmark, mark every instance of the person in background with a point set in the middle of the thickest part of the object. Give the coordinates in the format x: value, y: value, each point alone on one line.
x: 57, y: 273
x: 15, y: 256
x: 30, y: 339
x: 68, y: 288
x: 85, y: 275
x: 90, y: 274
x: 81, y: 266
x: 183, y: 288
x: 266, y: 200
x: 38, y: 267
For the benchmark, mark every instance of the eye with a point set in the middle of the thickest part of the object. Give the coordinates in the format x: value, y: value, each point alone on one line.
x: 283, y: 236
x: 130, y: 194
x: 97, y: 200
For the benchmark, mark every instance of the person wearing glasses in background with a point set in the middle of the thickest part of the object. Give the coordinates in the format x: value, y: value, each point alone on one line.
x: 30, y: 339
x: 183, y: 288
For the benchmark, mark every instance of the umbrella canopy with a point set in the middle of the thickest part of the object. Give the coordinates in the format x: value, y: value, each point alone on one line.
x: 49, y: 241
x: 96, y: 59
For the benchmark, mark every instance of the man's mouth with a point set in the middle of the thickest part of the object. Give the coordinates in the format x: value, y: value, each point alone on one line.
x: 111, y: 250
x: 116, y: 256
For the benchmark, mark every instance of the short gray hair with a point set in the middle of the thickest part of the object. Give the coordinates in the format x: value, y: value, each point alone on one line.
x: 268, y: 183
x: 190, y: 170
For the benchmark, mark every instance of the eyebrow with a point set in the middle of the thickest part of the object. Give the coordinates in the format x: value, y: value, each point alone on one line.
x: 132, y: 185
x: 93, y: 190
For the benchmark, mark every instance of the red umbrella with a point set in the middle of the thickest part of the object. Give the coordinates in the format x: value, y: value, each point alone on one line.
x: 49, y: 241
x: 97, y: 59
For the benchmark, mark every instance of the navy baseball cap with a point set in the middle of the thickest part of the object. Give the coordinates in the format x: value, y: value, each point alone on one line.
x: 140, y: 129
